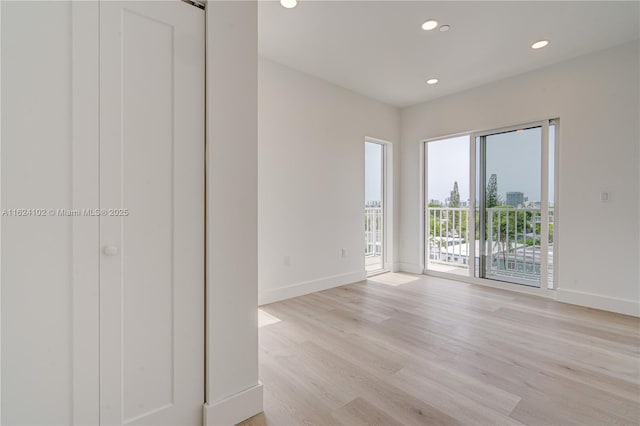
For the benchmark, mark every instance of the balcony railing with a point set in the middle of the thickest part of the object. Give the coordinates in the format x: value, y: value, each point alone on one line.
x: 513, y: 237
x: 513, y: 243
x: 372, y: 230
x: 447, y: 235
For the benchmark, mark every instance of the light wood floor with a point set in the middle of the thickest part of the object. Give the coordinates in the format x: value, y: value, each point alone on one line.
x: 406, y: 349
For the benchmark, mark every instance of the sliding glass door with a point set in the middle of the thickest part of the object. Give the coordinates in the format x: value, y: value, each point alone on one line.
x: 510, y: 204
x: 515, y: 194
x: 504, y: 229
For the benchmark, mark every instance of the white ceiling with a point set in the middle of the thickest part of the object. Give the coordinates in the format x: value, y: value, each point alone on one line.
x: 378, y: 49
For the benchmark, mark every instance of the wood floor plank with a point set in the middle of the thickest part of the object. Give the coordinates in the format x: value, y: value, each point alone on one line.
x: 361, y: 412
x: 451, y: 399
x: 411, y: 349
x: 404, y: 407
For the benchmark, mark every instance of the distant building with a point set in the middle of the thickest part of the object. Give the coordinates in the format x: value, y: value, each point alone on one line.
x: 515, y: 199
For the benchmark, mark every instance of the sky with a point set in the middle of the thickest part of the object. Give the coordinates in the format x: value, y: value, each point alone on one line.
x: 372, y: 171
x: 514, y: 157
x: 448, y: 161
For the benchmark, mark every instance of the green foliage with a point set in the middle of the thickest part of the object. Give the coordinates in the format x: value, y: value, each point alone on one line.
x: 507, y: 227
x: 446, y: 223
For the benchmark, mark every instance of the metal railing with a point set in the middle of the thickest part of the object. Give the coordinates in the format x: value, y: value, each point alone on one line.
x: 447, y: 235
x: 513, y: 237
x: 513, y: 243
x: 373, y: 222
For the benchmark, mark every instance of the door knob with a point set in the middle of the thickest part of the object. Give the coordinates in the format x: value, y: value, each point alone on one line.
x: 110, y: 250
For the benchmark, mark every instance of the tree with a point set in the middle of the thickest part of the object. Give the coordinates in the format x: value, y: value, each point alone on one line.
x: 435, y: 217
x: 454, y: 199
x: 492, y: 197
x: 504, y: 222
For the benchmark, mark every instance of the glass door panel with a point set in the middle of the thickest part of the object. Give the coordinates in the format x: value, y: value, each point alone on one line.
x: 447, y: 232
x: 374, y: 207
x: 510, y: 204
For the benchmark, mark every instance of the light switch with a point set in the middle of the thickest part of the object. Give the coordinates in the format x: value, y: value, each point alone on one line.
x: 604, y: 197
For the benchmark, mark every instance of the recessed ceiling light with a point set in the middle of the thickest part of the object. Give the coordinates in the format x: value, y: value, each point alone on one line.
x: 540, y: 44
x: 444, y: 28
x: 432, y: 81
x: 289, y: 4
x: 429, y: 25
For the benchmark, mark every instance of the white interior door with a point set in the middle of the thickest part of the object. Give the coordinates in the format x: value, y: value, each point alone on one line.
x: 152, y: 164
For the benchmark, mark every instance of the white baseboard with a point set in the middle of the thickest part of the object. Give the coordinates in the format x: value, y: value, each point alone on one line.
x: 410, y: 267
x: 234, y: 409
x: 598, y: 301
x: 573, y: 297
x: 300, y: 289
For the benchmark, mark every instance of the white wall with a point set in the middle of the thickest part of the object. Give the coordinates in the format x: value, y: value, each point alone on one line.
x: 37, y: 275
x: 596, y: 98
x: 233, y: 390
x: 36, y: 251
x: 311, y: 180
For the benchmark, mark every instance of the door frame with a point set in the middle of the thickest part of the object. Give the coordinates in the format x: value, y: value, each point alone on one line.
x: 85, y: 112
x: 387, y: 204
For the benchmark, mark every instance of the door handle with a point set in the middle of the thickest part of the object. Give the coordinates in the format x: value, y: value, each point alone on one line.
x: 110, y: 250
